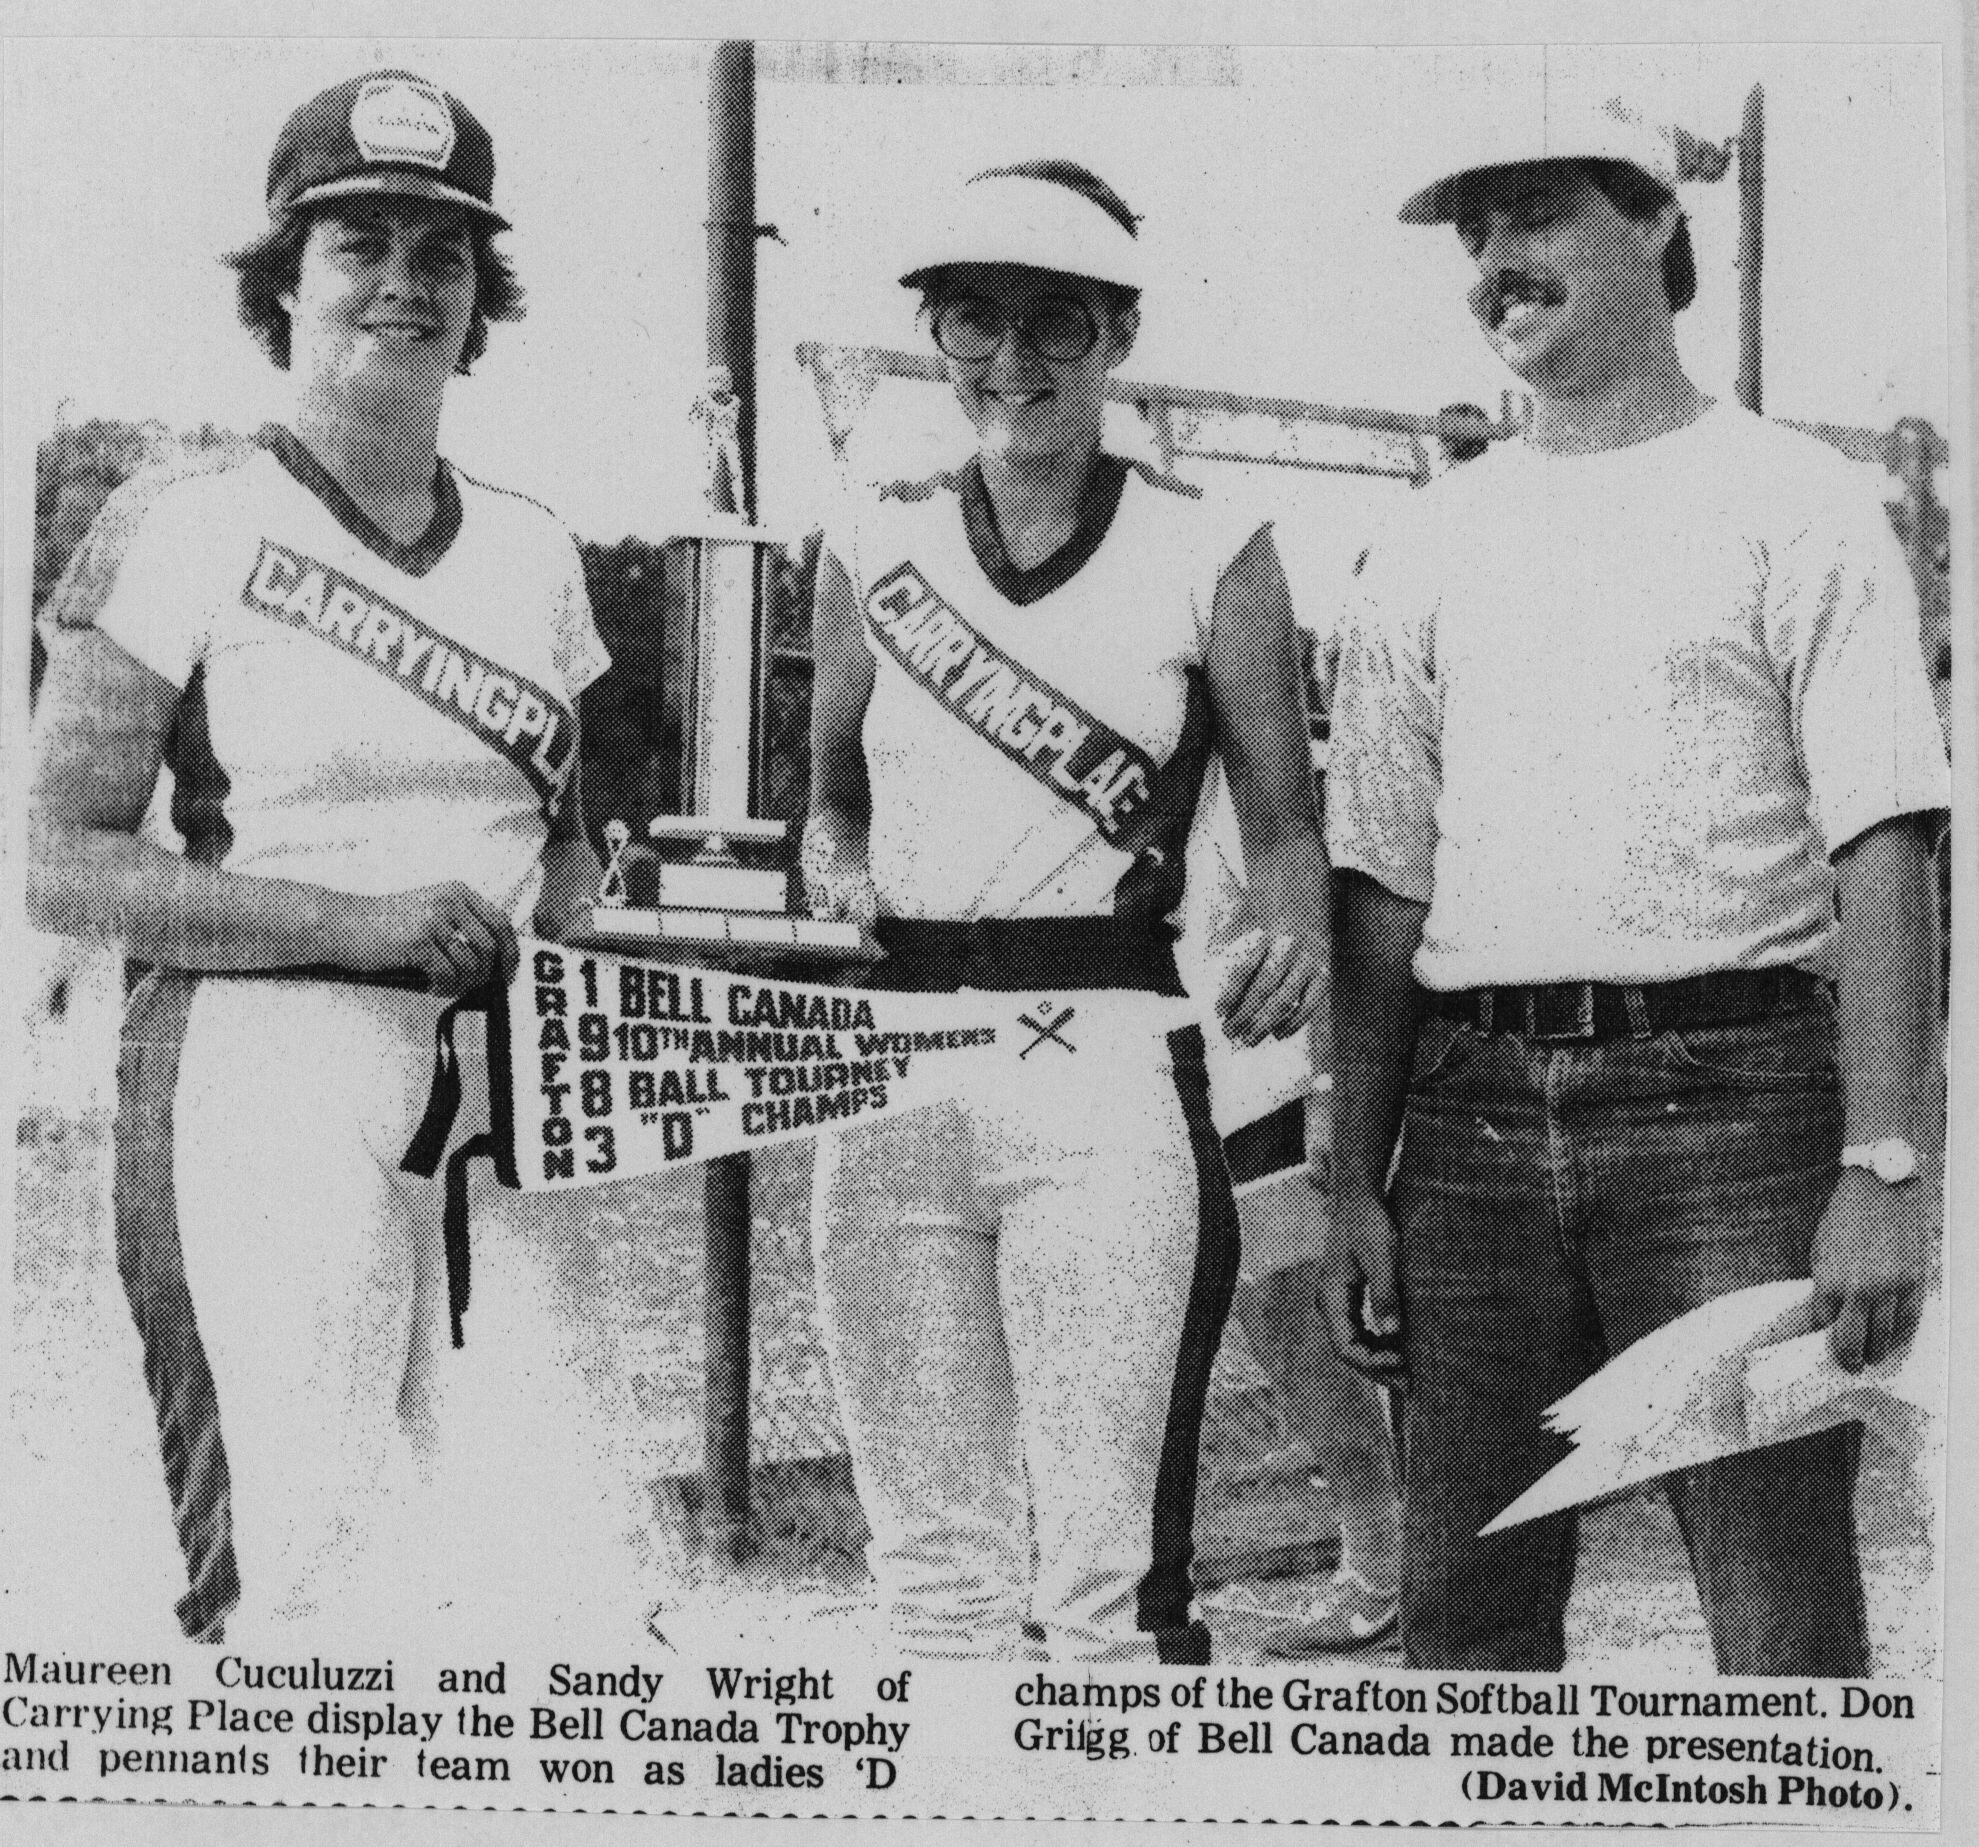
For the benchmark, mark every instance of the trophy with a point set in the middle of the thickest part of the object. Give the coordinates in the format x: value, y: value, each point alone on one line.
x: 724, y: 878
x: 717, y: 412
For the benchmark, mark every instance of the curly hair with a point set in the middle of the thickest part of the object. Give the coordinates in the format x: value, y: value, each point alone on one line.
x: 270, y: 267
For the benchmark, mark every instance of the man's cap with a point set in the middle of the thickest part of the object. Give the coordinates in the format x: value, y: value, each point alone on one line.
x: 1034, y: 220
x: 1610, y: 129
x: 391, y: 133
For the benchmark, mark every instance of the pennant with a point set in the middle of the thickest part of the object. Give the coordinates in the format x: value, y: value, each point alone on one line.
x: 605, y: 1067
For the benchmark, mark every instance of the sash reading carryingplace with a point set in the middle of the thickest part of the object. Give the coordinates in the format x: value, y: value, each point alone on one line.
x: 518, y: 720
x: 1080, y: 758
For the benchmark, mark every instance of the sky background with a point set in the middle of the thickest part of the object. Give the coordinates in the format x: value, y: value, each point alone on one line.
x: 1267, y: 178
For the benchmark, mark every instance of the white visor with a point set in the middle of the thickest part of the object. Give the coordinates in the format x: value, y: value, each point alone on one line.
x: 1013, y: 218
x: 1576, y: 129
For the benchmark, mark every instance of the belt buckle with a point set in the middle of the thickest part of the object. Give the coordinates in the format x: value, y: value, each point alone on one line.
x: 1541, y: 1017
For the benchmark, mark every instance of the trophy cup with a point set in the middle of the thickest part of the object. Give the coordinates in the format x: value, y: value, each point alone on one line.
x: 726, y: 887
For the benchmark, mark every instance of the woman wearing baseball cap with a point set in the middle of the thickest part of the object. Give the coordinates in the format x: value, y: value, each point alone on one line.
x: 1023, y: 669
x: 361, y: 667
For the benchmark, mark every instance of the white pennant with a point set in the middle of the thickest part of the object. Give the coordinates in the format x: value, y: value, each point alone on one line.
x: 620, y: 1066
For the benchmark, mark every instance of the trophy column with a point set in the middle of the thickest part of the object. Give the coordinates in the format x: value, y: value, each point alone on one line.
x: 728, y: 649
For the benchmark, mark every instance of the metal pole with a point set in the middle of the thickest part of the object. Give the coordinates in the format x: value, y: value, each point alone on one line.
x: 725, y: 1413
x: 731, y: 343
x: 732, y: 233
x: 1751, y: 244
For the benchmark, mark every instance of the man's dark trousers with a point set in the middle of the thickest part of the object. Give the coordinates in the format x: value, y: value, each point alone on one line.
x: 1557, y: 1201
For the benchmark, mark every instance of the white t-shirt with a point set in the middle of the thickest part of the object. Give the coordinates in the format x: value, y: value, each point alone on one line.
x: 1609, y: 714
x: 960, y: 829
x: 355, y: 692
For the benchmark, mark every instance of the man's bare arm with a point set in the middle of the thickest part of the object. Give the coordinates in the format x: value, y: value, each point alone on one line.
x: 1376, y: 1009
x: 1876, y: 1242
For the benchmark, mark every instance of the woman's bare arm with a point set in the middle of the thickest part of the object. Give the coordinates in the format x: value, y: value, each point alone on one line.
x: 99, y: 739
x: 1257, y: 696
x: 837, y: 876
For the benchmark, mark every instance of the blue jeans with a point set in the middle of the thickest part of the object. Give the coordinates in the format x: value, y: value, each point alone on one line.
x: 1558, y: 1201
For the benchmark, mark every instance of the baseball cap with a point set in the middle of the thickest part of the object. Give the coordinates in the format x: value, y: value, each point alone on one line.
x: 1609, y: 129
x: 389, y: 133
x: 1034, y: 219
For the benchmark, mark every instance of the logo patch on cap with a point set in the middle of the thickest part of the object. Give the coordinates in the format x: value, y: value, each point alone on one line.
x: 401, y: 119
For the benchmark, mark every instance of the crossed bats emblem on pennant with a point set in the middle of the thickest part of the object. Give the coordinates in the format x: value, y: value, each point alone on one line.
x: 1046, y: 1028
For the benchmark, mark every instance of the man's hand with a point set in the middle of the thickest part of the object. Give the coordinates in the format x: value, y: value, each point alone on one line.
x: 1358, y: 1293
x: 1872, y: 1257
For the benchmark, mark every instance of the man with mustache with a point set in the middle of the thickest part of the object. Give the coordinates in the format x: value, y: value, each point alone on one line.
x: 1634, y: 781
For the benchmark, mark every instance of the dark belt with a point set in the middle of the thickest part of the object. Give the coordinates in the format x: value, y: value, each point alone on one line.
x: 1605, y: 1010
x: 1015, y: 954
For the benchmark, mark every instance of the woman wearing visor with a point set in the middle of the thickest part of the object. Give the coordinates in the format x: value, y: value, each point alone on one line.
x: 362, y: 667
x: 1024, y: 668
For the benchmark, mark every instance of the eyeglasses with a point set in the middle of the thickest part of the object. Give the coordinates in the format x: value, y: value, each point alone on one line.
x: 1056, y: 327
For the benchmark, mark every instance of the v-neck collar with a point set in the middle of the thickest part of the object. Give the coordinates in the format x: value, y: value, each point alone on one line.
x: 1098, y: 503
x: 416, y: 559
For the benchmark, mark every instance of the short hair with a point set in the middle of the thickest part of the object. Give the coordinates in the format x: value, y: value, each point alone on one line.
x: 1635, y: 195
x: 270, y: 267
x: 1088, y: 185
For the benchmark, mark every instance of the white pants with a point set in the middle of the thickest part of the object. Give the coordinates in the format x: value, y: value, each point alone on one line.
x: 1021, y: 1300
x: 378, y: 1477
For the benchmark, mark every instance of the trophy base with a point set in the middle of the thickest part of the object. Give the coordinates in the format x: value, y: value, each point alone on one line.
x: 696, y: 888
x: 800, y: 938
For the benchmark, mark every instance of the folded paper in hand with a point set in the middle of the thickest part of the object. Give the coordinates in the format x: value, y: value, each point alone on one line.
x: 1745, y: 1371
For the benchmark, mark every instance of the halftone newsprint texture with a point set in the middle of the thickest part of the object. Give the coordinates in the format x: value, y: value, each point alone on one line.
x: 1012, y: 926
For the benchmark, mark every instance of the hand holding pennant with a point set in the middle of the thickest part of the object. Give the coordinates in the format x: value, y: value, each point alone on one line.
x: 1744, y: 1371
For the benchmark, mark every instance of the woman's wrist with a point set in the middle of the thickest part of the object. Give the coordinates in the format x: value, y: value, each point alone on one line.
x: 331, y: 928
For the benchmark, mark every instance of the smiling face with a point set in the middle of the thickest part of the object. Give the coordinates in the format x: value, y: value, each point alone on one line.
x: 1569, y: 290
x: 383, y: 301
x: 1024, y: 405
